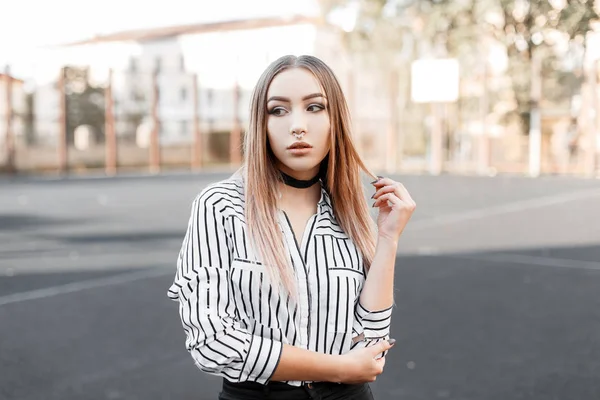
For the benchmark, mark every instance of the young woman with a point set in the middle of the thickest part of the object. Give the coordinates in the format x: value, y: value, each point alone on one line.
x: 285, y: 284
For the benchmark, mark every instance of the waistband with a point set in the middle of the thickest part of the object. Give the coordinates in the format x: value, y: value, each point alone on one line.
x: 273, y: 386
x: 280, y: 390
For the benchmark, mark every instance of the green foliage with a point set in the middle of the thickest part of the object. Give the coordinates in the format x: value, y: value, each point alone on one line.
x: 85, y: 103
x: 409, y: 29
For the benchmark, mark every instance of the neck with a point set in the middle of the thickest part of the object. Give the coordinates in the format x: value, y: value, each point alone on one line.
x: 292, y: 198
x: 299, y: 183
x: 295, y: 195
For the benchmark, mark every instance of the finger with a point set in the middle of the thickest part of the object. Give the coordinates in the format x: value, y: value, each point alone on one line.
x: 383, y: 184
x: 383, y: 190
x: 403, y: 193
x: 383, y: 181
x: 379, y: 365
x: 390, y: 200
x: 382, y: 346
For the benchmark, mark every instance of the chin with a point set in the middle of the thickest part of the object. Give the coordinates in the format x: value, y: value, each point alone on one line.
x: 301, y: 165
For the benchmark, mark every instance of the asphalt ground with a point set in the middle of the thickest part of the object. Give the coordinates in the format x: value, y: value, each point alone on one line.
x: 497, y: 290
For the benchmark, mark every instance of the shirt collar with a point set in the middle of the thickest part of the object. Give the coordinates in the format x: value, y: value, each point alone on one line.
x: 325, y: 200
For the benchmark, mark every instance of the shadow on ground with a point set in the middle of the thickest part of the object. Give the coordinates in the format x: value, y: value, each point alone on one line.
x: 16, y: 222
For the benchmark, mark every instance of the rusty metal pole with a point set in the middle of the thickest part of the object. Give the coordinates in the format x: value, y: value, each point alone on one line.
x: 535, y: 125
x: 437, y: 139
x: 9, y: 138
x: 353, y: 107
x: 109, y: 129
x: 403, y: 101
x: 596, y: 138
x: 63, y: 146
x: 392, y: 134
x: 484, y: 138
x: 154, y: 137
x: 197, y: 142
x: 590, y: 123
x: 235, y: 155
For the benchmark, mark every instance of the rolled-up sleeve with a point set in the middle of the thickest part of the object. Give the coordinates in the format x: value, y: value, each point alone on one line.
x: 215, y: 339
x: 371, y: 327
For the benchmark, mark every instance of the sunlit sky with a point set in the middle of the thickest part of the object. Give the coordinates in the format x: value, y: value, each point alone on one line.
x: 27, y: 25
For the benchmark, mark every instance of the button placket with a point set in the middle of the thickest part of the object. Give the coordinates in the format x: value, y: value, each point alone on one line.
x: 302, y: 280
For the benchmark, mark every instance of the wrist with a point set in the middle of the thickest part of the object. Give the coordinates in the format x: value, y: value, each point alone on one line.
x: 387, y: 242
x: 336, y: 369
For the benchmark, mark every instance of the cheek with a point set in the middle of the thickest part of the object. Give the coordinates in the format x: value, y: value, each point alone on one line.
x: 321, y: 128
x: 275, y: 133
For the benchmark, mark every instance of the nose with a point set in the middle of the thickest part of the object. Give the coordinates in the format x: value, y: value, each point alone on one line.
x: 298, y: 126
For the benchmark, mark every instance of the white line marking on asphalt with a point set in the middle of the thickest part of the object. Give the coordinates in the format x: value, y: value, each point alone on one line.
x: 503, y: 209
x: 82, y: 285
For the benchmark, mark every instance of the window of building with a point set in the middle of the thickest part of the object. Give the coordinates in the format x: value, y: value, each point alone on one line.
x: 183, y: 128
x: 133, y: 64
x: 181, y: 62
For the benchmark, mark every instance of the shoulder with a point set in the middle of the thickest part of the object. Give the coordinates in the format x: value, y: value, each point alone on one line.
x: 226, y: 193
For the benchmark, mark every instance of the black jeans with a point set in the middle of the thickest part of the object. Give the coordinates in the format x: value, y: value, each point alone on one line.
x: 282, y: 391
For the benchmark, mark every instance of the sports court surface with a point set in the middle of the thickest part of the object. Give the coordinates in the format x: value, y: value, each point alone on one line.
x: 497, y: 290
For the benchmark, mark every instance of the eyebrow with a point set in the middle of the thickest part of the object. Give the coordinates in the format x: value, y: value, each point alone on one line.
x: 285, y: 99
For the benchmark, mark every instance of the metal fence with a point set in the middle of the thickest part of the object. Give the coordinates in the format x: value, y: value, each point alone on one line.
x: 139, y: 120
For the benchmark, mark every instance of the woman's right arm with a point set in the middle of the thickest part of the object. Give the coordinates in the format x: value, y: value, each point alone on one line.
x: 215, y: 339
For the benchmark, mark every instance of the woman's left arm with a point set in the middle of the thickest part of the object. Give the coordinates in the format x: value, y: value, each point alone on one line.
x: 377, y: 296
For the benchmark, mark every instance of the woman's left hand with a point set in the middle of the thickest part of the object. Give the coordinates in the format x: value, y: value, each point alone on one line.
x: 395, y: 207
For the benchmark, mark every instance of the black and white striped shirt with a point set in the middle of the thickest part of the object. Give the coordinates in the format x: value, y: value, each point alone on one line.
x: 234, y: 322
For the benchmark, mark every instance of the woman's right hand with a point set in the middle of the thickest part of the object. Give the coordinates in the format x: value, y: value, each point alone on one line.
x: 360, y: 365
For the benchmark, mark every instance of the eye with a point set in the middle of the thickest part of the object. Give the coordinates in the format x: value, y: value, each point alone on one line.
x: 277, y: 111
x: 315, y: 107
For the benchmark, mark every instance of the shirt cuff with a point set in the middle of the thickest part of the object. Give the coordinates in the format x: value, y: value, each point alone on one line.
x: 261, y: 360
x: 375, y: 324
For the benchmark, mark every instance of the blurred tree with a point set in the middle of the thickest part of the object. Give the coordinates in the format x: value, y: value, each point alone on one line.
x: 85, y: 103
x: 393, y: 32
x: 540, y: 26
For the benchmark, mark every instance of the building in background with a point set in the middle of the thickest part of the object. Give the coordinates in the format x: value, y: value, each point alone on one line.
x: 46, y: 112
x: 222, y: 57
x: 222, y: 60
x: 19, y: 106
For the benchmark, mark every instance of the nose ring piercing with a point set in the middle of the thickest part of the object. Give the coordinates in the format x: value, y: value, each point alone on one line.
x: 298, y: 136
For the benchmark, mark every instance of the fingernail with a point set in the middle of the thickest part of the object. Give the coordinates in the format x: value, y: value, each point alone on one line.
x: 374, y: 181
x: 373, y: 196
x: 373, y: 204
x: 380, y: 177
x: 392, y: 341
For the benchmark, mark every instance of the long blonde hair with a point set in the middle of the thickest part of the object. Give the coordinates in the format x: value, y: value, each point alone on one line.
x: 341, y: 169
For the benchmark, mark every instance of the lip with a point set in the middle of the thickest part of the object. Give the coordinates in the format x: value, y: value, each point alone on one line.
x: 300, y: 151
x: 300, y: 146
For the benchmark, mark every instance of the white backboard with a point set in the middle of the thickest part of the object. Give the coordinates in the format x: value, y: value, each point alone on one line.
x: 434, y: 80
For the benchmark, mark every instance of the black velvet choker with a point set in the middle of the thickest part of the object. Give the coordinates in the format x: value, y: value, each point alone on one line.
x: 297, y: 183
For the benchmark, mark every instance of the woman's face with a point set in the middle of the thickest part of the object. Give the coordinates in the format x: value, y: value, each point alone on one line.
x: 297, y: 115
